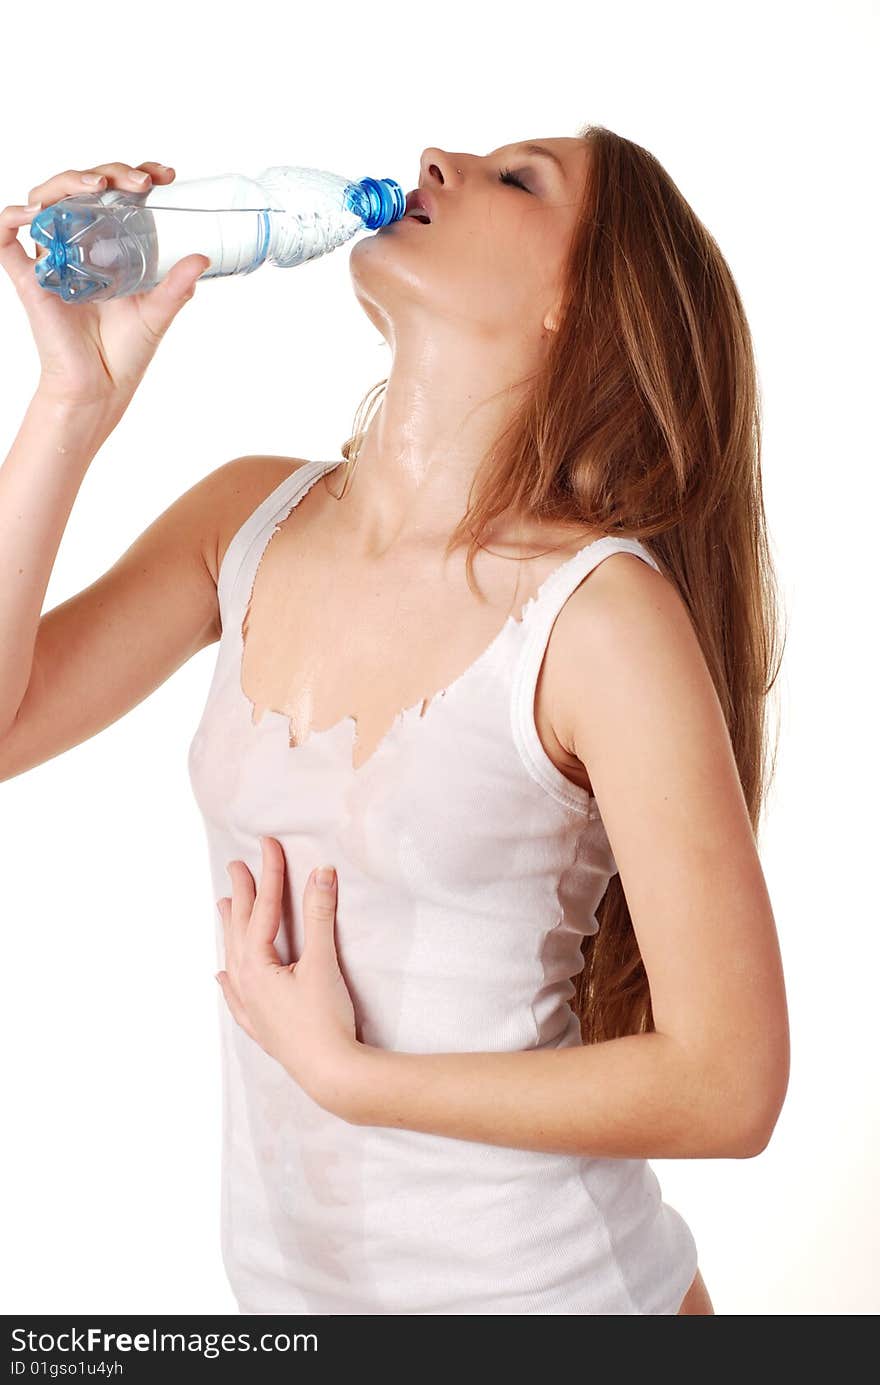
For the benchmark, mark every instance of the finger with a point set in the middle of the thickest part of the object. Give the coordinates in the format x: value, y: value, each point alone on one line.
x: 131, y: 176
x: 243, y: 895
x: 14, y: 259
x: 80, y: 180
x: 224, y: 908
x: 237, y: 1010
x: 266, y: 916
x: 160, y: 305
x: 319, y: 916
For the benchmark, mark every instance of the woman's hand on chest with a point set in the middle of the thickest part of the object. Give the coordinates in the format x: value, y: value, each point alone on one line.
x: 300, y: 1013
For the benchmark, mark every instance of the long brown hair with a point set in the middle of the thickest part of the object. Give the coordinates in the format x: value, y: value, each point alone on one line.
x: 644, y: 420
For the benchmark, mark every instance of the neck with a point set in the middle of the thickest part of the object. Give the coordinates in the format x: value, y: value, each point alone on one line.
x: 441, y: 411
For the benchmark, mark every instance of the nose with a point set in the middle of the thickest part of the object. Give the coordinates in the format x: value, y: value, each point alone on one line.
x: 438, y: 166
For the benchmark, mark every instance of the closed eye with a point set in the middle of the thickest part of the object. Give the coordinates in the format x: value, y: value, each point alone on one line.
x: 507, y: 176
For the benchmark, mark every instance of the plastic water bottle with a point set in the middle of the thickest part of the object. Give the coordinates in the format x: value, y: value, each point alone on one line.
x: 109, y: 244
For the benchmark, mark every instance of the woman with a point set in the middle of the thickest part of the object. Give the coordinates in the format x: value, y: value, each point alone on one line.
x: 444, y: 1074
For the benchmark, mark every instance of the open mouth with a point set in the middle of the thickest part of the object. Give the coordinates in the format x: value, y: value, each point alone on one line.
x: 418, y: 206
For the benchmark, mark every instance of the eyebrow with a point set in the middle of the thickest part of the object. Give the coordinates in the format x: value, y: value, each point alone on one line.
x: 547, y: 154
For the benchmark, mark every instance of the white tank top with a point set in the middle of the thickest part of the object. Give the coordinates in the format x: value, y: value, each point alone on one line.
x: 469, y: 871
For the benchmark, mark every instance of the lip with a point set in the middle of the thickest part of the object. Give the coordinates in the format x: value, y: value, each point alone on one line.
x: 419, y: 200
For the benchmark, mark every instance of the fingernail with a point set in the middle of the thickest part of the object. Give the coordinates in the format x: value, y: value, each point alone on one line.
x: 325, y: 877
x: 93, y: 178
x: 217, y: 977
x: 140, y: 177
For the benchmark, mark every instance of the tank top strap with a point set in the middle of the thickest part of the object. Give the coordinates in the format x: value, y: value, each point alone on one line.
x: 544, y: 609
x: 242, y: 556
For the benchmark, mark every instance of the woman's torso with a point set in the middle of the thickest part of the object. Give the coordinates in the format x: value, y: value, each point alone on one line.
x: 470, y: 867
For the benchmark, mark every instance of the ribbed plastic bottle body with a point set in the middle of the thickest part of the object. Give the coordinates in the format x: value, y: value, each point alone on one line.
x: 111, y: 244
x: 310, y: 214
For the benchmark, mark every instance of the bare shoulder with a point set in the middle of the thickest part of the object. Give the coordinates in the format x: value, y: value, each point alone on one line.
x: 625, y: 615
x: 238, y: 488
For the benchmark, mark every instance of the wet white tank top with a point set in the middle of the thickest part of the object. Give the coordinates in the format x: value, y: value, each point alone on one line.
x: 469, y: 871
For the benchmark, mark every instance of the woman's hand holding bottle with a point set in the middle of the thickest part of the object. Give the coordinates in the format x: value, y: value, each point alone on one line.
x: 94, y: 353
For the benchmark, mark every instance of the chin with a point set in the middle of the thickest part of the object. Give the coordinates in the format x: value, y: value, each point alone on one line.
x: 372, y: 260
x: 381, y: 277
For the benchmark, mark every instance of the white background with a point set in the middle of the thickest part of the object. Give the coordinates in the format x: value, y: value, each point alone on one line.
x: 109, y: 1186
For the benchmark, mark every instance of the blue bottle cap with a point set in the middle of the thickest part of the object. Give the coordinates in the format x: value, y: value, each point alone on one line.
x: 377, y: 201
